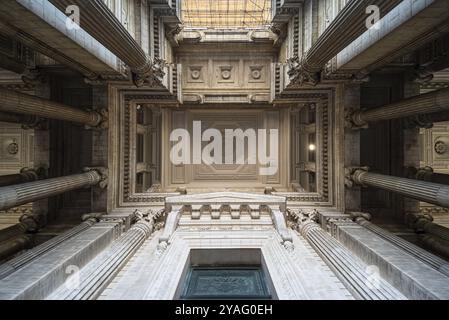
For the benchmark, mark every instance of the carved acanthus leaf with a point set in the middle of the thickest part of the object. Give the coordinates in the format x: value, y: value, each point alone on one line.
x: 299, y: 73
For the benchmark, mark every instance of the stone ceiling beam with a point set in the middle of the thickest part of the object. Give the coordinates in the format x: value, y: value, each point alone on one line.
x: 349, y: 24
x: 406, y: 28
x: 40, y: 26
x: 103, y: 25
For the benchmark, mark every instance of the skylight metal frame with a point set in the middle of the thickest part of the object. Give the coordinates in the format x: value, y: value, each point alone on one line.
x: 226, y: 14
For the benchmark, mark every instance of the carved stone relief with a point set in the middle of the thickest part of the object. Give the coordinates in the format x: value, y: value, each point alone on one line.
x: 195, y: 74
x: 435, y: 154
x: 230, y: 78
x: 435, y: 147
x: 16, y: 148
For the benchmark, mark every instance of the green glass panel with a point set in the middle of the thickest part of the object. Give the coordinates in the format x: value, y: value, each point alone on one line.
x: 222, y: 283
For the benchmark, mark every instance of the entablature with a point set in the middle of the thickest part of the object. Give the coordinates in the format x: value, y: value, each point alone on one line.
x: 246, y: 35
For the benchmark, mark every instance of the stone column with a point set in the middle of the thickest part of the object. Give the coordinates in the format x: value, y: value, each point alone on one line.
x: 13, y: 239
x: 349, y: 24
x: 27, y: 121
x: 98, y: 274
x: 11, y: 232
x: 426, y: 120
x: 12, y: 265
x: 435, y: 244
x: 13, y: 246
x: 419, y: 253
x: 16, y: 195
x: 16, y: 102
x: 103, y: 25
x: 427, y: 174
x: 429, y: 192
x: 25, y: 175
x: 431, y: 102
x: 424, y: 223
x: 348, y: 268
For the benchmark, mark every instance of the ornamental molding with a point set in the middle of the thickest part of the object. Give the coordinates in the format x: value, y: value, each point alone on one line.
x: 104, y: 175
x: 151, y: 75
x: 128, y: 197
x: 322, y: 100
x: 232, y: 204
x: 300, y: 74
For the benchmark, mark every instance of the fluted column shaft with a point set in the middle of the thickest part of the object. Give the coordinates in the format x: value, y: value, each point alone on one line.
x: 17, y: 244
x: 12, y: 240
x: 424, y: 223
x: 426, y: 120
x: 16, y: 102
x: 107, y: 264
x: 429, y: 192
x: 20, y: 261
x: 431, y: 102
x: 25, y: 175
x: 103, y: 25
x: 27, y: 120
x: 16, y: 195
x: 349, y: 24
x: 419, y: 253
x: 434, y: 243
x: 349, y: 269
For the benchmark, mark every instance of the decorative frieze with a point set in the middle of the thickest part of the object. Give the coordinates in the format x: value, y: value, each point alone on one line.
x: 220, y: 209
x: 238, y: 35
x: 235, y: 78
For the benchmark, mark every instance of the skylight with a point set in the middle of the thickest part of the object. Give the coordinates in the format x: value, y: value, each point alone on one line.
x: 226, y: 13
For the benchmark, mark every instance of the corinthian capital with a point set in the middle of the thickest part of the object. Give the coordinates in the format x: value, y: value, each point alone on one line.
x: 353, y: 119
x: 32, y: 222
x: 302, y: 217
x: 151, y: 74
x: 300, y: 74
x: 360, y: 215
x: 103, y: 172
x: 352, y: 175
